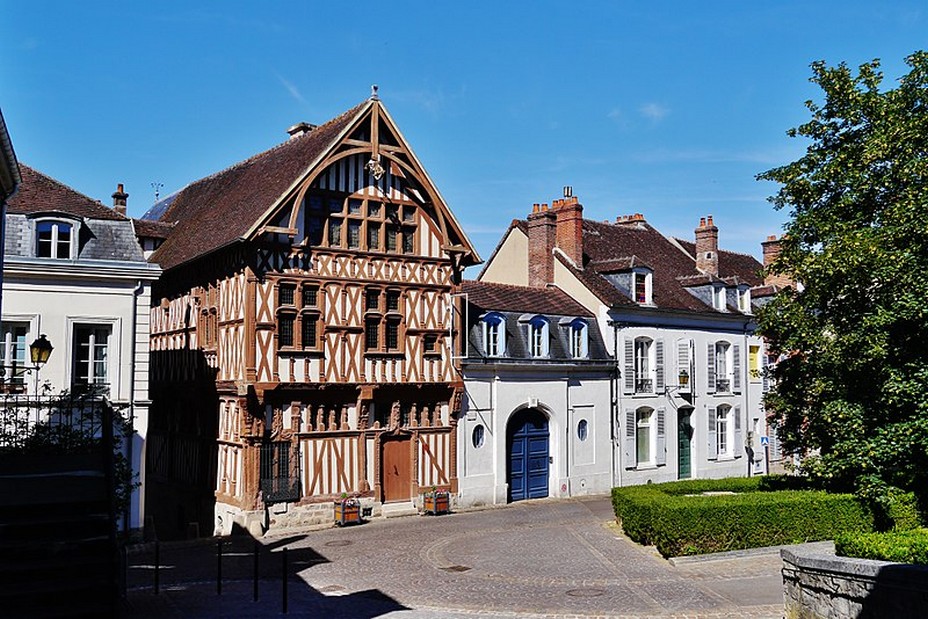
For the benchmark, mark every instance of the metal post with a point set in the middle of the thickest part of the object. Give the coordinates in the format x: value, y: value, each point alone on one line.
x: 284, y: 590
x: 255, y: 593
x: 219, y: 567
x: 157, y: 565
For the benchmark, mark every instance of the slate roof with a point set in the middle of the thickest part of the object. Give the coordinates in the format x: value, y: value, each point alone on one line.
x: 39, y: 193
x: 221, y: 208
x: 510, y: 298
x: 103, y: 234
x: 615, y: 247
x: 514, y: 303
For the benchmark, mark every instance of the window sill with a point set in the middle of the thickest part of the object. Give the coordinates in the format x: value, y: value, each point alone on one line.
x: 308, y: 352
x: 394, y: 354
x: 645, y: 467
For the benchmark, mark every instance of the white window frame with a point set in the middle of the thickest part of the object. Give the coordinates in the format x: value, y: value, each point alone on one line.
x: 113, y: 346
x: 9, y: 346
x: 648, y: 286
x: 744, y: 300
x: 494, y: 334
x: 579, y: 339
x: 645, y: 365
x: 724, y: 371
x: 644, y: 422
x: 724, y: 431
x: 720, y: 298
x: 56, y: 223
x: 538, y: 337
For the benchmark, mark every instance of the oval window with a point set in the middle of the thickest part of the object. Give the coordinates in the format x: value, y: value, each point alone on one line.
x: 477, y: 436
x: 582, y: 429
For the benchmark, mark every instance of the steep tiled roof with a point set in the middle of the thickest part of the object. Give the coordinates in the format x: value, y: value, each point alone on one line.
x: 39, y: 193
x: 509, y: 298
x: 152, y: 229
x: 732, y: 264
x: 615, y: 247
x: 220, y: 209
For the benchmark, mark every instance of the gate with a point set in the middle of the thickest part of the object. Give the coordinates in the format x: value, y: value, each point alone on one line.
x: 280, y: 472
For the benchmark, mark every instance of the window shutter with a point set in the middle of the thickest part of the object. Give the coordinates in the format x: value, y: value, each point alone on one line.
x: 765, y: 378
x: 710, y: 370
x: 738, y: 446
x: 736, y: 368
x: 659, y: 363
x: 631, y: 456
x: 661, y: 456
x: 683, y: 360
x: 713, y: 442
x: 629, y: 365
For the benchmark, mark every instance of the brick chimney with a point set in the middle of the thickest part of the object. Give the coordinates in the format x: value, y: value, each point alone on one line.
x: 119, y: 200
x: 772, y: 250
x: 707, y: 247
x: 542, y: 236
x: 570, y: 226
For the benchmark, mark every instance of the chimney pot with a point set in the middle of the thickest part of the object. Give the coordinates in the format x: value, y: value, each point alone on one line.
x: 119, y: 199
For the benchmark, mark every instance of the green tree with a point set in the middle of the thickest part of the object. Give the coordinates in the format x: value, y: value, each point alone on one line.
x: 851, y: 391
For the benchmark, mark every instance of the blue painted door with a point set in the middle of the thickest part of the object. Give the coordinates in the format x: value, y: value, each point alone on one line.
x: 528, y: 456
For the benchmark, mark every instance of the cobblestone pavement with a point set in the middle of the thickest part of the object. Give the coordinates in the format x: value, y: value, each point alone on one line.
x: 551, y: 558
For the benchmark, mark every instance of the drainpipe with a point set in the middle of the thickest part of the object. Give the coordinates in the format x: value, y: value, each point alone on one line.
x: 614, y: 422
x: 745, y: 381
x: 125, y: 518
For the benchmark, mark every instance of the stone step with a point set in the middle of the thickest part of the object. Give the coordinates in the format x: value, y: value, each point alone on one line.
x: 398, y: 509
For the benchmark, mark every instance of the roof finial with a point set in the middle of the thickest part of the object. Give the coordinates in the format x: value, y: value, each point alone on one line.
x: 374, y: 89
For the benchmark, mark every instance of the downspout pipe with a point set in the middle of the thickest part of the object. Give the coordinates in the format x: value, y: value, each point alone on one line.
x: 139, y: 287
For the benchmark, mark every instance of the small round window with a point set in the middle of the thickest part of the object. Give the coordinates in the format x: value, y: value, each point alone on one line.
x: 582, y: 429
x: 477, y: 436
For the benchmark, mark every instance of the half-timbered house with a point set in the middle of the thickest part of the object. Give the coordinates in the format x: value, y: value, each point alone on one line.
x: 301, y: 333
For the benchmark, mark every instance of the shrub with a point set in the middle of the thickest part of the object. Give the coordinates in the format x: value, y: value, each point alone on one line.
x: 679, y: 519
x: 899, y: 547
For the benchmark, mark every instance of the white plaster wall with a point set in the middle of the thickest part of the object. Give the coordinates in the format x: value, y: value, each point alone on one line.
x: 672, y: 400
x: 495, y: 393
x: 52, y: 303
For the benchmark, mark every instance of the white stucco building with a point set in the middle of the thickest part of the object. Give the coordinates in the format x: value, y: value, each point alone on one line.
x: 536, y: 416
x: 677, y: 319
x: 74, y: 272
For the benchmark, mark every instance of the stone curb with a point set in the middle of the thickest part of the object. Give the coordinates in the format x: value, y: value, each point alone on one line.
x: 826, y: 546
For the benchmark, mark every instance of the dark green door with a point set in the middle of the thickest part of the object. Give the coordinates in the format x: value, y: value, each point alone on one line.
x: 684, y: 442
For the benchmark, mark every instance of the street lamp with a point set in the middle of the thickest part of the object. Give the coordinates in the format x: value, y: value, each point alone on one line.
x: 39, y: 351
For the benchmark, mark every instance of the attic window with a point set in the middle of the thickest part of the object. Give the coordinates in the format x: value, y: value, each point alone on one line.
x: 579, y: 339
x: 538, y: 336
x: 642, y: 287
x: 744, y: 300
x: 54, y: 239
x: 719, y: 299
x: 494, y: 334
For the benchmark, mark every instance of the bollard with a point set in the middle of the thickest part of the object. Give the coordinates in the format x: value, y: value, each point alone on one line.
x: 255, y: 592
x: 157, y: 565
x: 284, y: 590
x: 219, y: 567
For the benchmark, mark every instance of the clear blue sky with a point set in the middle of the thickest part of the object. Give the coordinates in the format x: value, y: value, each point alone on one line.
x: 664, y: 108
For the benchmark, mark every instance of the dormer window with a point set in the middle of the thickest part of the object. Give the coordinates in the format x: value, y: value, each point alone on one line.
x: 54, y: 239
x: 538, y: 337
x: 719, y: 299
x: 579, y: 339
x: 642, y: 286
x: 744, y: 300
x: 494, y: 334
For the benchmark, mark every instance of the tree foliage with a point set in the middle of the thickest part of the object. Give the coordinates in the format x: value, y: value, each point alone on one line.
x: 851, y: 391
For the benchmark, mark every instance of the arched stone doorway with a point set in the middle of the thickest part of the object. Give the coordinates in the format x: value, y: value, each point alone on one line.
x: 527, y: 450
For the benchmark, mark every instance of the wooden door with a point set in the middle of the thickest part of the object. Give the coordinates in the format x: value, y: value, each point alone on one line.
x: 396, y: 469
x: 528, y: 456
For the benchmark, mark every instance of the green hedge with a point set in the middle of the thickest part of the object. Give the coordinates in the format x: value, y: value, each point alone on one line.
x: 680, y: 520
x: 897, y: 546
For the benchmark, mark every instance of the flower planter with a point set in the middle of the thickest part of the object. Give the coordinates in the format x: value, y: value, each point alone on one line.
x: 436, y: 503
x: 347, y: 511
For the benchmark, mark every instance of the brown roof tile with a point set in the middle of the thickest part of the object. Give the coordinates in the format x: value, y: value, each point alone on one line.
x: 732, y: 264
x: 220, y: 209
x: 152, y: 229
x: 39, y: 193
x: 510, y: 298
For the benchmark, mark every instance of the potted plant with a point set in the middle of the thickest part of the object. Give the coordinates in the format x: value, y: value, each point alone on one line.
x: 347, y: 510
x: 436, y: 501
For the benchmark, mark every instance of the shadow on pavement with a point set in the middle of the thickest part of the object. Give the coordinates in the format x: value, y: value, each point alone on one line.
x: 237, y: 576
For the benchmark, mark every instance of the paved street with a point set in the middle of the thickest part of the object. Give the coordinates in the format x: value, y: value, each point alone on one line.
x: 552, y: 558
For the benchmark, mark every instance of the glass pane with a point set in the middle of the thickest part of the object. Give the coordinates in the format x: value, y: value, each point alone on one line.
x: 408, y: 237
x: 354, y: 234
x: 335, y: 232
x: 310, y: 296
x: 354, y: 206
x: 391, y: 238
x: 373, y: 209
x: 373, y: 235
x: 309, y: 332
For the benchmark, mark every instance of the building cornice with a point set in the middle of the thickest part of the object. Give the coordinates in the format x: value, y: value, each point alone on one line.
x: 17, y: 266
